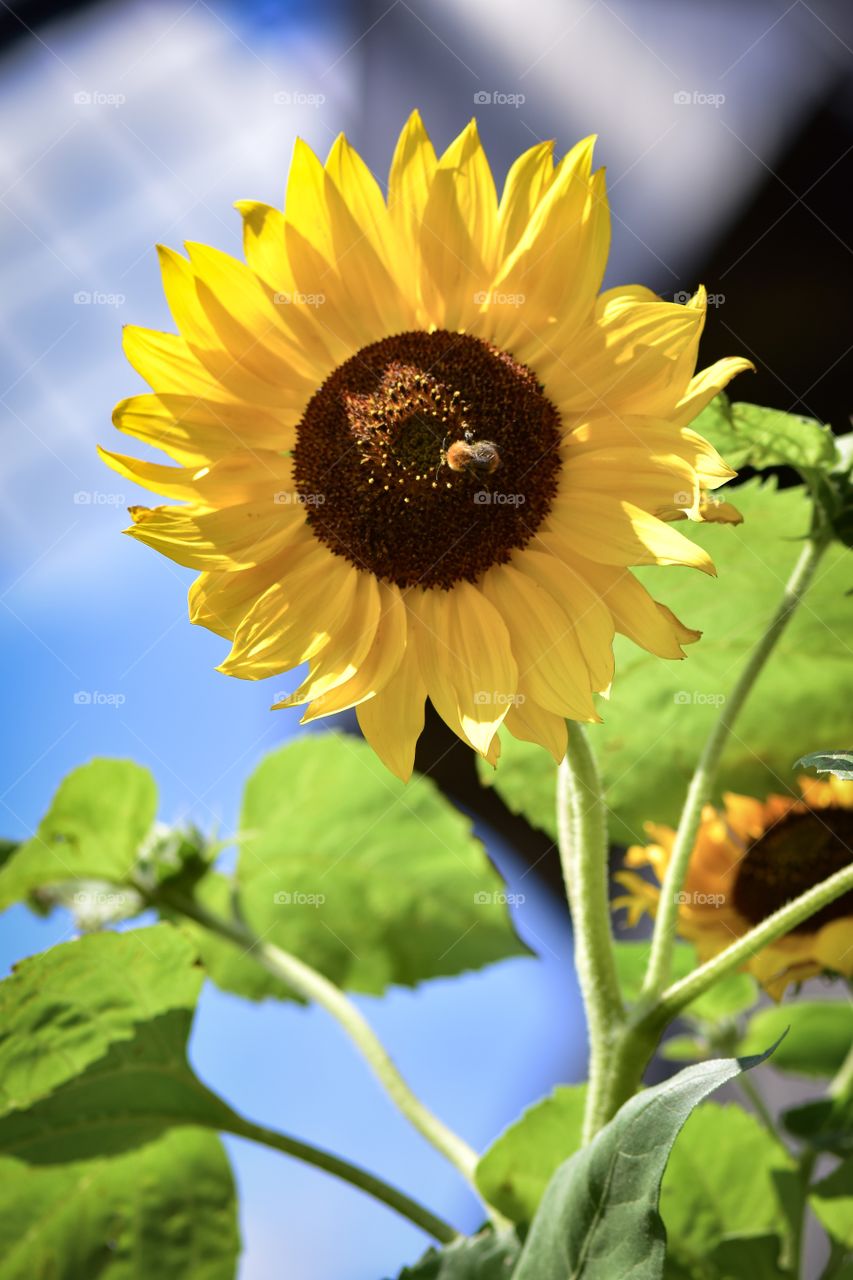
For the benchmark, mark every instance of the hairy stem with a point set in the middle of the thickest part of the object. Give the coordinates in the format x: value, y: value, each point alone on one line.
x: 351, y: 1173
x: 313, y: 986
x: 702, y: 783
x: 680, y: 994
x: 582, y: 835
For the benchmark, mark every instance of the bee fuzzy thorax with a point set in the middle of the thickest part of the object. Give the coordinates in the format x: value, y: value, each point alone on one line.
x: 479, y: 458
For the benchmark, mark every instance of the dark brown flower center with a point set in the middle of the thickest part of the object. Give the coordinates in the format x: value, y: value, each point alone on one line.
x: 426, y: 458
x: 793, y: 856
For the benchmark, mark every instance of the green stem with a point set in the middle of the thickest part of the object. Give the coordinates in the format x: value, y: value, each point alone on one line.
x: 842, y: 1083
x: 583, y: 844
x: 701, y: 785
x: 313, y: 986
x: 680, y: 994
x: 798, y: 1231
x: 351, y: 1173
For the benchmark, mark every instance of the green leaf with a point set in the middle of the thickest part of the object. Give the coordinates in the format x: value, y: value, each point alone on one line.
x: 754, y: 1256
x: 710, y: 1191
x: 370, y: 880
x: 826, y: 1125
x: 167, y: 1209
x: 599, y: 1216
x: 484, y: 1257
x: 662, y: 711
x: 513, y: 1174
x: 726, y: 998
x: 832, y: 1201
x: 93, y: 1053
x: 838, y: 762
x: 226, y: 965
x: 748, y: 435
x: 683, y: 1049
x: 100, y: 815
x: 819, y: 1040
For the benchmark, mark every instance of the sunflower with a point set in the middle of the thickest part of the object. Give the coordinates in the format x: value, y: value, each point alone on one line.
x: 750, y: 858
x: 418, y: 449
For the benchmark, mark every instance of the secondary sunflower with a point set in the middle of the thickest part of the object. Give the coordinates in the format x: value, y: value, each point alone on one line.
x: 750, y: 858
x: 418, y: 449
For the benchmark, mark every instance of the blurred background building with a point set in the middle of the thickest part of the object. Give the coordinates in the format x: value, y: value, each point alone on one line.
x: 727, y: 131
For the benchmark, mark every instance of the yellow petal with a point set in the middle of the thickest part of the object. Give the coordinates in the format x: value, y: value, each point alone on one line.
x: 558, y: 262
x: 167, y: 364
x: 409, y: 182
x: 607, y: 531
x: 296, y: 616
x: 340, y: 659
x: 528, y: 179
x: 237, y: 478
x: 219, y: 601
x: 392, y: 720
x: 543, y: 643
x: 378, y: 667
x: 459, y: 232
x: 233, y: 538
x: 263, y: 244
x: 629, y: 360
x: 705, y: 385
x: 195, y: 431
x: 589, y: 614
x: 635, y: 613
x: 531, y: 723
x: 466, y: 661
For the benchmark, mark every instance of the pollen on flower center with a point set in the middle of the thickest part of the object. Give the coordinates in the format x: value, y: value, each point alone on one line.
x: 383, y: 485
x: 793, y: 856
